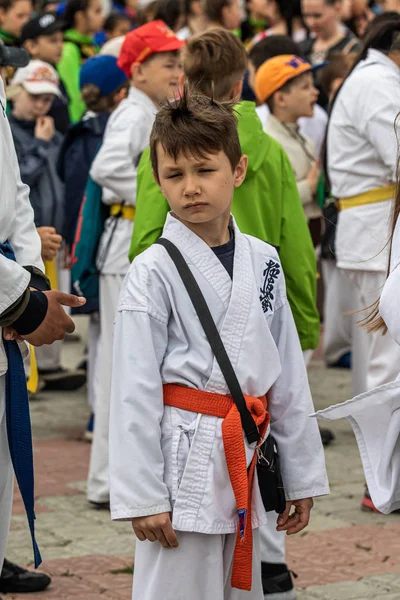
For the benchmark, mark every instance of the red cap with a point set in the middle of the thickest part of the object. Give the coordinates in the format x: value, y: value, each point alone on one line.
x: 144, y: 41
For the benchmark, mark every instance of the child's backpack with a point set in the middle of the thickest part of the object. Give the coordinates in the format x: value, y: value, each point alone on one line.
x: 92, y: 216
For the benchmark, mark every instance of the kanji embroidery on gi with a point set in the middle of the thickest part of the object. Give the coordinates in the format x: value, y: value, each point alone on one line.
x: 270, y: 273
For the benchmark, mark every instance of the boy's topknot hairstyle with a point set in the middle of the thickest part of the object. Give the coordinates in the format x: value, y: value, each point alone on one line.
x: 195, y: 125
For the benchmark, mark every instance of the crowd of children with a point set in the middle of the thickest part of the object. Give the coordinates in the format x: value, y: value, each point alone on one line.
x: 246, y: 135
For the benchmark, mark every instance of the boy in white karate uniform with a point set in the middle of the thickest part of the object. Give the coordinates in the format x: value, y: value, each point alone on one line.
x: 170, y: 456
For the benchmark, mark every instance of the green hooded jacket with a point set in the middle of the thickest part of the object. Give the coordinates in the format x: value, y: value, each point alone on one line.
x: 77, y: 48
x: 267, y: 205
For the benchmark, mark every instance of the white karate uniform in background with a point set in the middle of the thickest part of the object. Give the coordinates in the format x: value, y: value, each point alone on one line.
x: 375, y: 415
x: 115, y: 169
x: 163, y: 458
x: 362, y: 152
x: 17, y: 226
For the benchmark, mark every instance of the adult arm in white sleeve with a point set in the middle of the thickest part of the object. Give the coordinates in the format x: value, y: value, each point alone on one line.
x: 24, y: 237
x: 137, y: 407
x: 290, y: 404
x: 378, y: 123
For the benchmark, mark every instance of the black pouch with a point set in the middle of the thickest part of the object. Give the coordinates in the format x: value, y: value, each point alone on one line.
x: 269, y: 476
x: 268, y: 470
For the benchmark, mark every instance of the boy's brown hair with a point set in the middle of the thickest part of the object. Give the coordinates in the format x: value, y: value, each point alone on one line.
x: 195, y: 126
x: 213, y: 62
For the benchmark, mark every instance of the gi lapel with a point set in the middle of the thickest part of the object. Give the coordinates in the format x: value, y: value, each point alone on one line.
x: 237, y: 296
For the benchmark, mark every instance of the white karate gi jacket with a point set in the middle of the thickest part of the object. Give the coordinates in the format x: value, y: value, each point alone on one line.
x: 162, y: 457
x: 115, y: 169
x: 375, y: 415
x: 362, y: 156
x: 16, y: 225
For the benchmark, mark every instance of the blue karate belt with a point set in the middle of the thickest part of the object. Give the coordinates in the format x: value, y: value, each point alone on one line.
x: 19, y: 425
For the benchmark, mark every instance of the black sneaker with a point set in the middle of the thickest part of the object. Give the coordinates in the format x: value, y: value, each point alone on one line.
x: 327, y: 436
x: 62, y: 380
x: 277, y: 582
x: 16, y: 580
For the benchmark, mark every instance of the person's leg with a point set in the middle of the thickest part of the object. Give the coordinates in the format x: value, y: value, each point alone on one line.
x: 93, y: 353
x: 384, y: 352
x: 200, y: 569
x: 276, y: 578
x: 338, y: 301
x: 194, y: 570
x: 361, y: 340
x: 256, y: 592
x: 48, y: 357
x: 6, y: 477
x: 98, y: 481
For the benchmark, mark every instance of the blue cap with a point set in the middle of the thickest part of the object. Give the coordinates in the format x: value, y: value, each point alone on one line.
x: 102, y: 70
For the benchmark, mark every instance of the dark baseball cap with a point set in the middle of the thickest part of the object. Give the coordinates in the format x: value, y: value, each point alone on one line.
x: 43, y: 25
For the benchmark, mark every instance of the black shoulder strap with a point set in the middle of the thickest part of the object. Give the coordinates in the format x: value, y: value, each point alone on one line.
x: 211, y: 331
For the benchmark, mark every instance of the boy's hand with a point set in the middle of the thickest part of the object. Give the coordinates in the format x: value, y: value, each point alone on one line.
x: 156, y: 527
x: 313, y: 177
x: 44, y: 129
x: 299, y: 519
x: 51, y: 242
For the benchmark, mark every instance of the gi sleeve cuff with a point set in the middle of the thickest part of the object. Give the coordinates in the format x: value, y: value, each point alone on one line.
x: 33, y: 314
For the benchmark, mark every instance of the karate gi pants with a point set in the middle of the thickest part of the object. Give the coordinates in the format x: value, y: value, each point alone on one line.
x: 200, y: 569
x: 6, y: 476
x: 98, y: 480
x: 338, y: 301
x: 272, y: 542
x: 92, y: 358
x: 375, y: 357
x: 48, y: 357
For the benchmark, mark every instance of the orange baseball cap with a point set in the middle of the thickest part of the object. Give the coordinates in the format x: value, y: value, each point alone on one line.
x: 275, y: 72
x: 144, y: 41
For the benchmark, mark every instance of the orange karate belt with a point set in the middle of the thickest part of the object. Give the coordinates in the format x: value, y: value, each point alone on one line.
x: 219, y: 405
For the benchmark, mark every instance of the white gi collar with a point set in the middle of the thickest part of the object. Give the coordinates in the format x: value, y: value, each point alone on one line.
x: 236, y: 295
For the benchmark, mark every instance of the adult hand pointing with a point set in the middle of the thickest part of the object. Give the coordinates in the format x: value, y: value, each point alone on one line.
x: 56, y: 322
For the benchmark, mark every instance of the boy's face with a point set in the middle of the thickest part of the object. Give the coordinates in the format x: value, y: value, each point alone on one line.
x: 301, y: 98
x: 13, y: 20
x: 47, y: 47
x: 32, y: 106
x: 199, y: 190
x: 160, y: 76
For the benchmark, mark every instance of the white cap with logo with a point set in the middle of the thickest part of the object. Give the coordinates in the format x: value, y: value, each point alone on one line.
x: 38, y: 78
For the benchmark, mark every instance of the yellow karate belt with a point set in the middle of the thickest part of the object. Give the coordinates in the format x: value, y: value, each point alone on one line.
x: 126, y: 212
x: 33, y: 381
x: 386, y: 192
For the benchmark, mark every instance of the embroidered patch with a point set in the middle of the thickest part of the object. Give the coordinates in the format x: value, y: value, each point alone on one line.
x: 270, y: 274
x: 242, y: 521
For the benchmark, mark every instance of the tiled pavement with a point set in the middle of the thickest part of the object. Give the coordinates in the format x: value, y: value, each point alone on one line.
x: 345, y: 554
